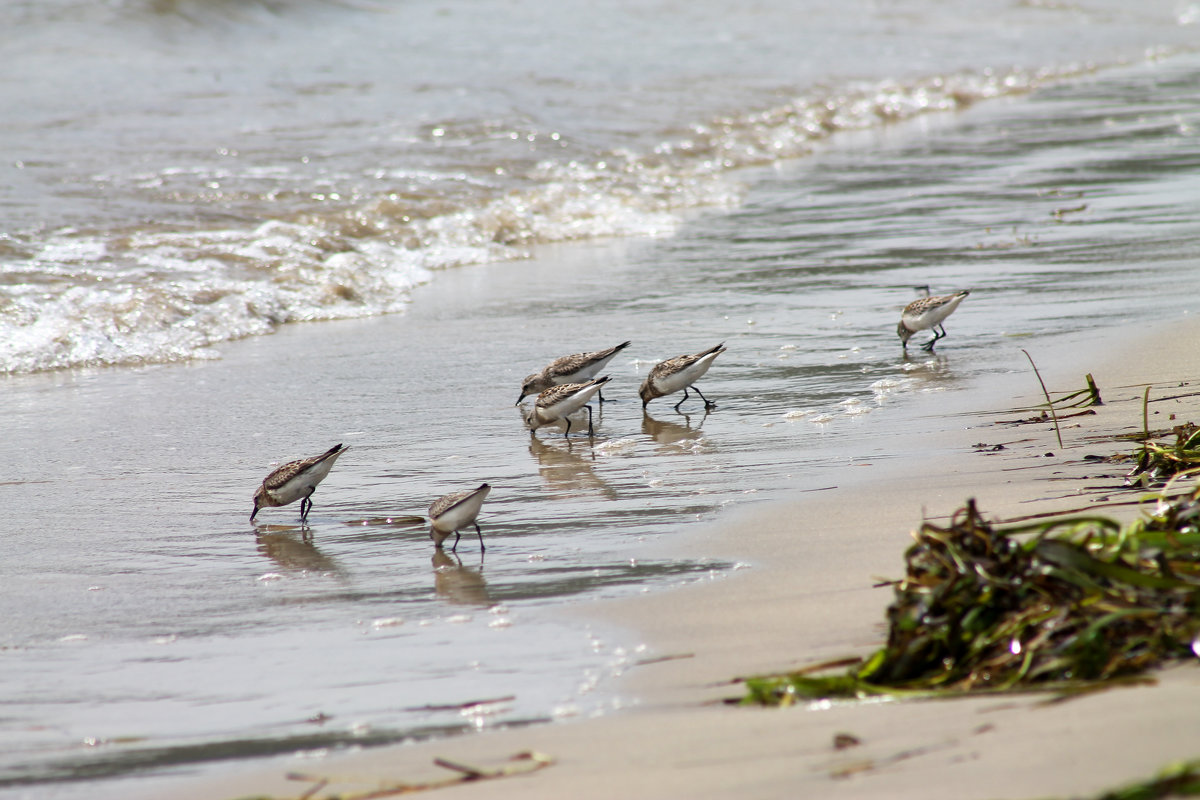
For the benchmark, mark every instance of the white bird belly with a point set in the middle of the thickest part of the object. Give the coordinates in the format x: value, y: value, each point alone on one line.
x: 462, y: 514
x: 932, y: 317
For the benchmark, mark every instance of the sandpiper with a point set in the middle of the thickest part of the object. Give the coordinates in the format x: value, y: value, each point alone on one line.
x: 678, y: 373
x: 559, y: 402
x: 455, y: 511
x: 575, y: 368
x: 928, y: 313
x: 295, y: 480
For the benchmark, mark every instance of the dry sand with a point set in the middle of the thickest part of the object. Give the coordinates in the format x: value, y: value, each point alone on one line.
x: 808, y: 598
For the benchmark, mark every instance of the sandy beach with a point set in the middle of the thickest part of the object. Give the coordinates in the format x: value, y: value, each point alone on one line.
x: 806, y: 599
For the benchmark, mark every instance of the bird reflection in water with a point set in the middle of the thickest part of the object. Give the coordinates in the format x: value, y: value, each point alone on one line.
x: 459, y: 584
x: 672, y: 433
x: 295, y: 554
x: 933, y: 369
x: 569, y: 468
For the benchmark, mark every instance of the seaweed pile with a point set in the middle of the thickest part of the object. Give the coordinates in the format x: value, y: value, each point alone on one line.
x: 1158, y: 462
x: 1061, y: 605
x: 1174, y: 780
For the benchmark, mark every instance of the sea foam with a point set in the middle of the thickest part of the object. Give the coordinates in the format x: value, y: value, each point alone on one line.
x: 148, y: 294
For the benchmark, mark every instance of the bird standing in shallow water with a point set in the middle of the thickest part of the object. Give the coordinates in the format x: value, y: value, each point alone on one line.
x: 678, y: 373
x: 295, y: 480
x: 575, y: 368
x: 455, y: 511
x: 928, y: 313
x: 560, y: 402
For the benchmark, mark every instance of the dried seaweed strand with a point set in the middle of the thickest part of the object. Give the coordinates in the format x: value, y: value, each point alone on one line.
x: 1049, y: 402
x: 519, y: 764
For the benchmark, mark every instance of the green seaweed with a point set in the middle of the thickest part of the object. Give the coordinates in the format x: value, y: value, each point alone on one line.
x: 1181, y: 779
x: 1063, y: 605
x: 1054, y: 408
x: 1084, y: 398
x: 1158, y: 462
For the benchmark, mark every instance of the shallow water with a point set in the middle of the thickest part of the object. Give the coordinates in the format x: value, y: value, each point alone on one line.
x: 150, y: 627
x: 180, y: 174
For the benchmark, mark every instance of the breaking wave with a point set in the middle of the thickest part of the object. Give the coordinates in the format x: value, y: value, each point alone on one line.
x: 159, y: 293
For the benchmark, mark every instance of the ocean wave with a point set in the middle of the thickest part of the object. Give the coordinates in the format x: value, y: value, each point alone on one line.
x: 111, y: 297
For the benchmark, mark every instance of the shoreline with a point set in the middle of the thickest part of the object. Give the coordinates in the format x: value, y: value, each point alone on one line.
x: 808, y: 599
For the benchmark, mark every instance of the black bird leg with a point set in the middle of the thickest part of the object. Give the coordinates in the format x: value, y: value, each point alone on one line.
x: 479, y: 533
x: 708, y: 405
x: 304, y: 509
x: 455, y: 548
x: 591, y: 433
x: 685, y: 397
x: 928, y: 346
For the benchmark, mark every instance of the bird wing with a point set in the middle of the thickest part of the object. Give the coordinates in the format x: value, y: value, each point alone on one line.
x: 281, y: 475
x: 285, y: 473
x: 920, y: 306
x: 568, y: 365
x: 556, y: 394
x: 673, y: 365
x: 444, y: 504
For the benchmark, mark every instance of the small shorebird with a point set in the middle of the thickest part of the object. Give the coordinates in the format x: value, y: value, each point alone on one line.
x: 678, y: 373
x: 575, y: 368
x: 295, y: 480
x: 455, y: 511
x: 559, y: 402
x: 928, y: 313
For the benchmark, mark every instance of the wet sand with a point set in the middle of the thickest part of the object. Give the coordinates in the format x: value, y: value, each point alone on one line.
x: 808, y: 598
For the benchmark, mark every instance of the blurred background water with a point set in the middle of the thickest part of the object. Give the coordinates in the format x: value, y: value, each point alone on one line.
x: 180, y: 174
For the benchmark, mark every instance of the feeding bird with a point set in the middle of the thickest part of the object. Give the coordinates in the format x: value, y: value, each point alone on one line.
x: 295, y: 480
x: 678, y: 373
x: 559, y: 402
x: 575, y: 368
x: 455, y: 511
x: 928, y: 313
